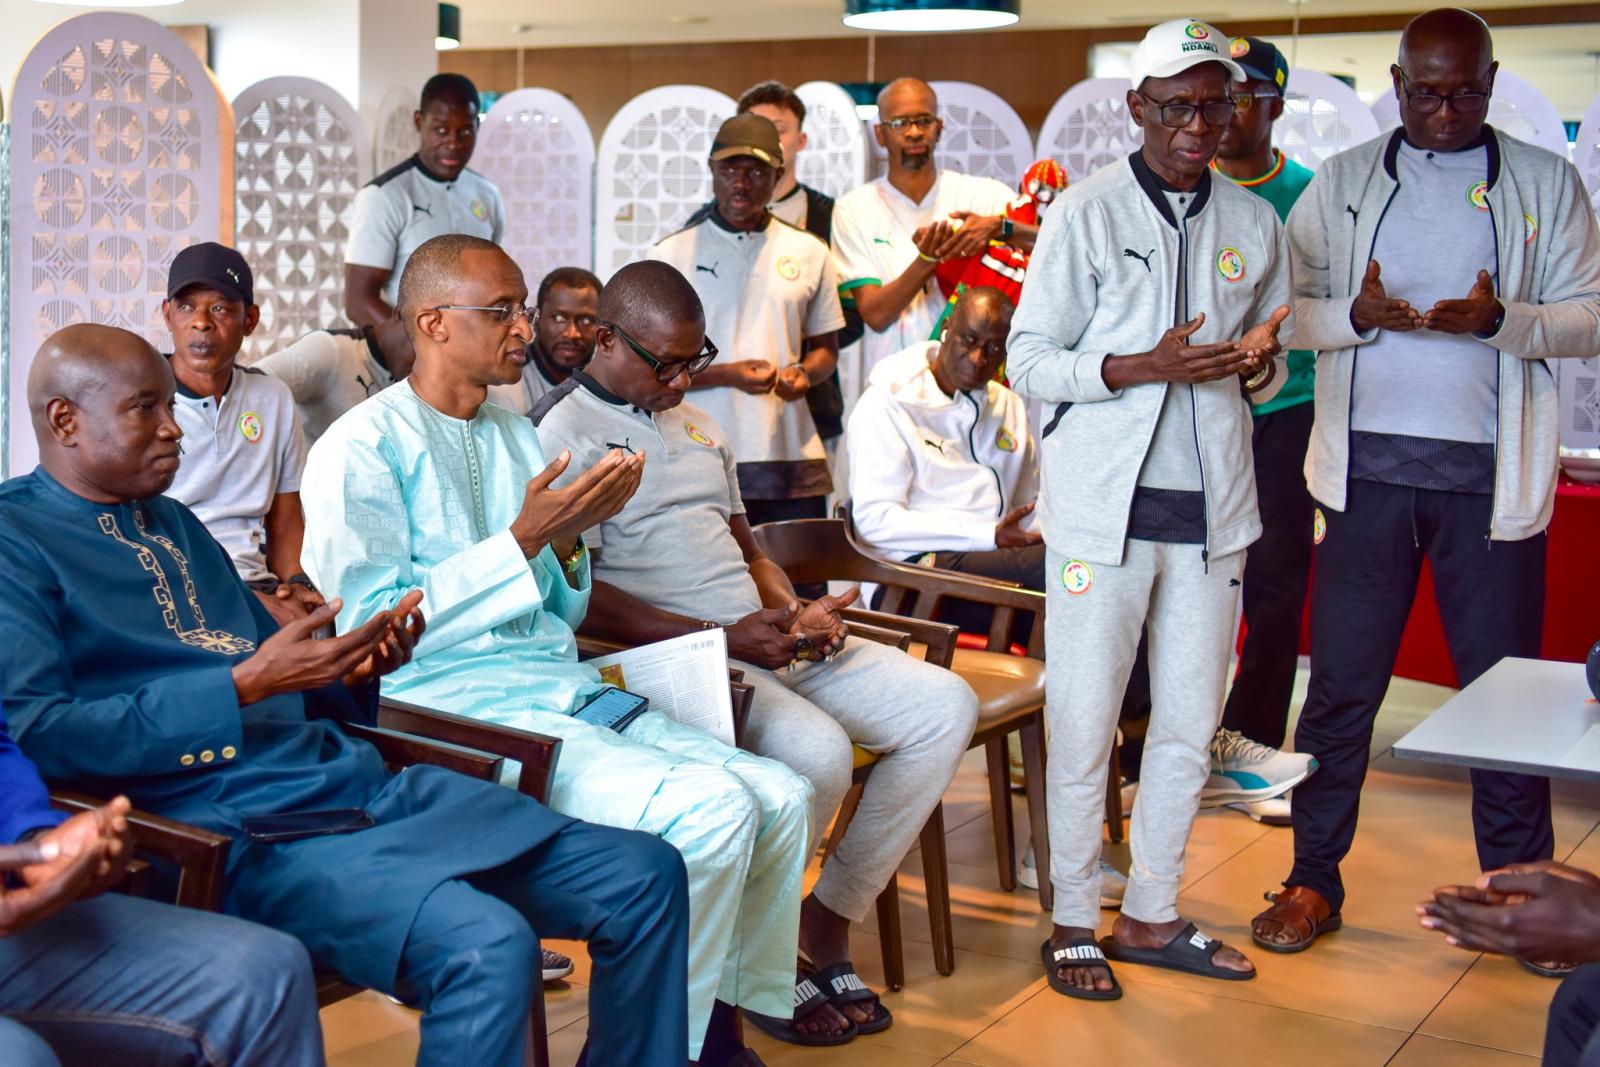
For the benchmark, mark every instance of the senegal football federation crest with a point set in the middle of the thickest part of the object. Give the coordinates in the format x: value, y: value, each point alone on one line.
x: 1530, y: 228
x: 1238, y: 47
x: 1004, y: 441
x: 1319, y: 526
x: 788, y: 268
x: 1230, y: 264
x: 250, y: 426
x: 1076, y: 577
x: 480, y: 211
x: 698, y: 435
x: 1478, y: 195
x: 1197, y: 31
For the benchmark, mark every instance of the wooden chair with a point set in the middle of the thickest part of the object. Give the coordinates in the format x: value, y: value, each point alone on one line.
x: 406, y: 735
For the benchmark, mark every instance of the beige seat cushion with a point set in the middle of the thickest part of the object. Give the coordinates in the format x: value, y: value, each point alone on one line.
x: 1007, y: 686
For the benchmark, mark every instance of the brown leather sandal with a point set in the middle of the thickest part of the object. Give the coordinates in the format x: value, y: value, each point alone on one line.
x: 1299, y: 910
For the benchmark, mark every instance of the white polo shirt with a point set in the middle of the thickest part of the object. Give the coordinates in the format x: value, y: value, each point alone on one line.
x: 406, y: 205
x: 329, y: 372
x: 765, y: 291
x: 872, y: 228
x: 238, y: 454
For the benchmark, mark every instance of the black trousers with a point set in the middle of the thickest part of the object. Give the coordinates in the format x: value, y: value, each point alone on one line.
x: 1491, y: 599
x: 1275, y: 573
x: 1572, y: 1035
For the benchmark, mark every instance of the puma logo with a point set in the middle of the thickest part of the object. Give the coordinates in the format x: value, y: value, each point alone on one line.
x: 1129, y: 253
x: 426, y: 211
x: 711, y: 270
x: 366, y: 386
x: 1354, y: 214
x: 937, y: 446
x: 881, y: 241
x: 1232, y: 582
x: 624, y: 446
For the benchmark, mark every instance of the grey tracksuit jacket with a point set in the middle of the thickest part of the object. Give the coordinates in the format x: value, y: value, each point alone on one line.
x: 1104, y: 280
x: 1547, y: 273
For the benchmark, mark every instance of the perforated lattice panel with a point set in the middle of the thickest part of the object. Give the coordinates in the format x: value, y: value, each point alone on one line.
x: 1322, y: 116
x: 299, y: 160
x: 1089, y: 127
x: 120, y: 147
x: 395, y: 139
x: 1516, y: 108
x: 982, y: 133
x: 651, y: 171
x: 1586, y: 153
x: 536, y: 146
x: 835, y: 159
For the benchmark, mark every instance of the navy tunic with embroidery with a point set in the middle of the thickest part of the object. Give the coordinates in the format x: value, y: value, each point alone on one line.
x: 119, y: 630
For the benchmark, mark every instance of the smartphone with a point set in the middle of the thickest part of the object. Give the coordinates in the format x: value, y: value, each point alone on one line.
x: 295, y: 825
x: 613, y: 708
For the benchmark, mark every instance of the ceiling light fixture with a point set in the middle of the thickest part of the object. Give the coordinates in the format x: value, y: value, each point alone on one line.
x: 930, y: 16
x: 449, y: 28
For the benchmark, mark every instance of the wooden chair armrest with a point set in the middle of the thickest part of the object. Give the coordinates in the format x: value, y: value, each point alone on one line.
x: 743, y: 695
x: 893, y: 636
x: 538, y: 753
x: 201, y: 856
x: 938, y: 637
x: 406, y: 750
x: 590, y: 646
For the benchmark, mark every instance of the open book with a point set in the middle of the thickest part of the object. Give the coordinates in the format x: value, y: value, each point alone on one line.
x: 685, y: 678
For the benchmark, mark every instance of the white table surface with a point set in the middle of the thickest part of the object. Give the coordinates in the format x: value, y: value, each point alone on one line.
x: 1526, y: 715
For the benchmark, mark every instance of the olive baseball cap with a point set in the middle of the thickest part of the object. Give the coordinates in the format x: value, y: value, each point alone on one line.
x: 748, y: 135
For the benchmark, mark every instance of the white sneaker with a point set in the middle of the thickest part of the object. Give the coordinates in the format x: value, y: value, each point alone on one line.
x: 555, y: 966
x: 1273, y: 812
x: 1113, y: 883
x: 1243, y: 771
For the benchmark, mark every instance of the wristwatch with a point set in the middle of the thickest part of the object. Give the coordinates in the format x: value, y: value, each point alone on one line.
x: 571, y: 563
x: 302, y: 579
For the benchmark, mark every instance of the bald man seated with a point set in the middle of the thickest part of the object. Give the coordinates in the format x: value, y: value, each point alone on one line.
x: 428, y: 486
x: 137, y: 662
x: 818, y: 692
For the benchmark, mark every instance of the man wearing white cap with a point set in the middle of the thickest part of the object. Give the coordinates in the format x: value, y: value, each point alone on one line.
x: 1149, y: 324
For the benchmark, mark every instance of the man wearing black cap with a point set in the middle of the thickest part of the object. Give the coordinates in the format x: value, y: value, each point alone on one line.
x: 243, y: 449
x: 772, y: 304
x: 1279, y: 563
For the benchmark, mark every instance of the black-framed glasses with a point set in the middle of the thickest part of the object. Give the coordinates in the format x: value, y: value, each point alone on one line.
x: 666, y: 369
x: 504, y: 312
x: 1246, y: 101
x: 1426, y: 102
x: 1175, y: 116
x: 906, y: 122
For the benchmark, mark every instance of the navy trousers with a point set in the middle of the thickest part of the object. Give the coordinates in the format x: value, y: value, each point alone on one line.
x: 471, y: 960
x: 1491, y: 599
x: 121, y: 980
x: 1572, y: 1034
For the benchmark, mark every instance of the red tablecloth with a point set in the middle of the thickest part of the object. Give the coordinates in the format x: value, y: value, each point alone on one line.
x: 1571, y: 594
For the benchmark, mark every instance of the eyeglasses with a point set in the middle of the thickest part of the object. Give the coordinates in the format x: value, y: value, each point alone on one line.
x: 504, y: 312
x: 1425, y: 102
x: 1176, y: 116
x: 666, y: 370
x: 921, y: 122
x: 561, y: 320
x: 1246, y: 101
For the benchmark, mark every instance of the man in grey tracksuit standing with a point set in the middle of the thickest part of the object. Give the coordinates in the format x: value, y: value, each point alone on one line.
x: 1435, y: 271
x: 1154, y: 291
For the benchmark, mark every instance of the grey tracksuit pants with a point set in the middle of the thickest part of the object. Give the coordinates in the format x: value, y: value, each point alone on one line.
x: 919, y: 719
x: 1093, y: 617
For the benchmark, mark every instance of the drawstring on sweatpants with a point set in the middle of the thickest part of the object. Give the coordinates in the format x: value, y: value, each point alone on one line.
x: 1416, y: 540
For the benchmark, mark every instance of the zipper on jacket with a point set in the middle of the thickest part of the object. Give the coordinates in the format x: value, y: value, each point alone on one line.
x: 1180, y: 299
x: 1494, y: 472
x: 1355, y: 351
x: 972, y: 447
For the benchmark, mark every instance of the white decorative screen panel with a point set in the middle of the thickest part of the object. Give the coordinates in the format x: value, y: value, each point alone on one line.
x: 536, y: 146
x: 120, y: 150
x: 1322, y: 116
x: 835, y: 158
x: 1586, y: 152
x: 1089, y: 127
x: 982, y: 133
x: 299, y: 159
x: 1516, y: 108
x: 395, y: 139
x: 652, y: 171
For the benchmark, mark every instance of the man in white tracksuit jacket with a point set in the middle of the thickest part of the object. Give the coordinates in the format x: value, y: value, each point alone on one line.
x: 1436, y: 428
x: 1153, y: 291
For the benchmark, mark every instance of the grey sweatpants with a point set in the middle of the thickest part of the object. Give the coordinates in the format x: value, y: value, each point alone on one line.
x: 1092, y: 620
x: 917, y: 717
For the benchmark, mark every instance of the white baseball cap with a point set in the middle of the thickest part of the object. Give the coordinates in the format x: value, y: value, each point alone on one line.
x: 1177, y: 45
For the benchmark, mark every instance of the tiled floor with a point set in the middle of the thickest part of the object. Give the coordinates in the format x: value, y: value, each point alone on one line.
x: 1382, y: 991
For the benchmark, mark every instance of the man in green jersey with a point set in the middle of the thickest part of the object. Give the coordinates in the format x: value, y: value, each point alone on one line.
x: 1277, y: 566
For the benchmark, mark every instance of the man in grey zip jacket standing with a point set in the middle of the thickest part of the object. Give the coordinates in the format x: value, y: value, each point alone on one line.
x: 1435, y: 432
x: 1153, y: 291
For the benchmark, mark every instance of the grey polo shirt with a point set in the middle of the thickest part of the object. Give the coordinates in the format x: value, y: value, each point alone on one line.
x: 329, y: 372
x: 407, y: 205
x: 239, y: 453
x: 671, y: 546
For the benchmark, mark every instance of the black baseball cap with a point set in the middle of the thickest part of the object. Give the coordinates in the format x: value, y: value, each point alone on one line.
x: 1261, y: 60
x: 748, y: 135
x: 214, y: 266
